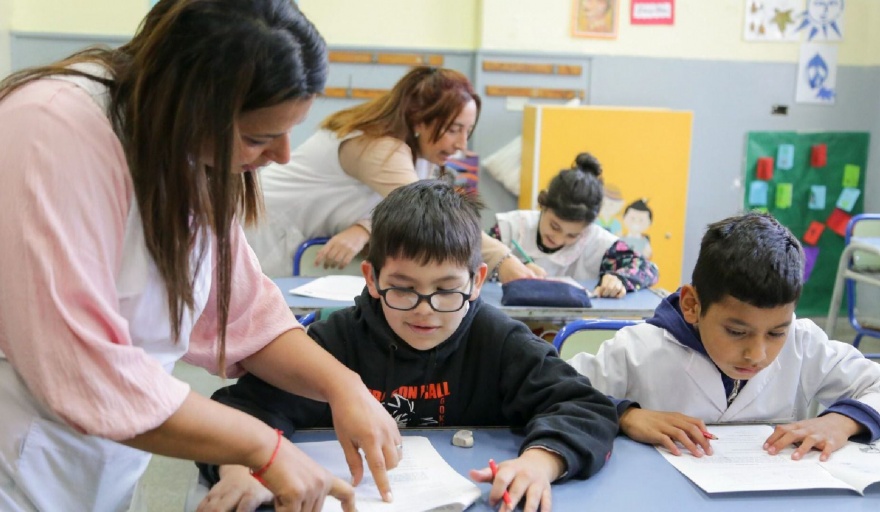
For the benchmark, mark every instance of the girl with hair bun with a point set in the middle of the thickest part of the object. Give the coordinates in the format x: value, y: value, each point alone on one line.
x: 562, y: 238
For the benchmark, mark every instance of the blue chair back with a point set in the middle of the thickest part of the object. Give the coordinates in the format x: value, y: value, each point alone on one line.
x: 600, y: 324
x: 304, y: 252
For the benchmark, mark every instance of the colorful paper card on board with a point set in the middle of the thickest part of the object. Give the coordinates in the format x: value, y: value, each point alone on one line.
x: 783, y: 195
x: 814, y: 231
x: 817, y: 197
x: 818, y: 155
x: 785, y: 156
x: 837, y: 221
x: 851, y: 175
x: 848, y: 198
x: 758, y: 193
x: 811, y: 254
x: 765, y: 168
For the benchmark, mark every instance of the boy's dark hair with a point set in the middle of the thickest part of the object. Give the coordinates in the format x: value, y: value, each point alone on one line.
x: 575, y: 194
x: 751, y: 257
x: 427, y: 221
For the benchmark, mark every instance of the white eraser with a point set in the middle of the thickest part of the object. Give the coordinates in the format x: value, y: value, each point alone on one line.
x: 463, y: 438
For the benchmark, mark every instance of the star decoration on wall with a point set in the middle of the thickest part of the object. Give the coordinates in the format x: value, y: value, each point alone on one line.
x: 782, y: 19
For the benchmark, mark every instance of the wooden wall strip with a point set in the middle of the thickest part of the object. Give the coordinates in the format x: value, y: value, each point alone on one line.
x: 410, y: 59
x: 534, y: 92
x: 358, y: 94
x: 525, y: 67
x: 400, y: 59
x: 351, y: 57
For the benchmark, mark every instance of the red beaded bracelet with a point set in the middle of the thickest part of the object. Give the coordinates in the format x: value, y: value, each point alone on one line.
x: 258, y: 474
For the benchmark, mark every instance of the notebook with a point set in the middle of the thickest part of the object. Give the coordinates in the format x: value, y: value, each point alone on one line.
x: 341, y: 288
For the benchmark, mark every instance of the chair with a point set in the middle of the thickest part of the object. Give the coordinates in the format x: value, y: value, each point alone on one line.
x: 307, y: 252
x: 590, y: 335
x: 307, y: 319
x: 859, y: 262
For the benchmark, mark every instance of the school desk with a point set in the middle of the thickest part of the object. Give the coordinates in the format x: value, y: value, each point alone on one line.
x: 640, y: 304
x: 636, y: 478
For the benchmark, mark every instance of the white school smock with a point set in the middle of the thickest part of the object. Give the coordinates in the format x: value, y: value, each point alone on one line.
x: 646, y: 364
x: 312, y: 196
x: 581, y: 260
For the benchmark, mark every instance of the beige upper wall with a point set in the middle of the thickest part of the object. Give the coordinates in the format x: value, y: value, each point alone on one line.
x: 704, y: 29
x: 103, y: 17
x: 446, y: 24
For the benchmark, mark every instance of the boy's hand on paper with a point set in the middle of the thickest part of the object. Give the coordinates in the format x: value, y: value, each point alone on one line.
x: 512, y: 269
x: 237, y: 490
x: 528, y: 476
x: 539, y: 271
x: 665, y: 429
x: 610, y: 287
x: 343, y: 247
x: 299, y: 483
x: 362, y: 424
x: 827, y: 433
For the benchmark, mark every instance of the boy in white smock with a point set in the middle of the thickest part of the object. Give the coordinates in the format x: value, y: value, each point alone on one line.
x: 728, y: 348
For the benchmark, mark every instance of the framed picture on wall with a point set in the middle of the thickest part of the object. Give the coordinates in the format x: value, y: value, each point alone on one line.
x: 595, y: 18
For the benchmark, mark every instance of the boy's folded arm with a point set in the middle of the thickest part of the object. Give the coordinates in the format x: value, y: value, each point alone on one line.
x: 561, y: 411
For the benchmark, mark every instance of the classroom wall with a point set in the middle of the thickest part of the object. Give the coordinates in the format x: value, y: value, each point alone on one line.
x: 447, y: 24
x: 98, y: 17
x: 5, y: 24
x: 703, y: 30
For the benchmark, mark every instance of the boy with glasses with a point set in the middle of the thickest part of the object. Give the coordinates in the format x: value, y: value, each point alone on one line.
x: 435, y: 355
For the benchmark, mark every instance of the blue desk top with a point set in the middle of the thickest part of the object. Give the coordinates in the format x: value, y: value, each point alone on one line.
x: 640, y: 304
x: 636, y: 478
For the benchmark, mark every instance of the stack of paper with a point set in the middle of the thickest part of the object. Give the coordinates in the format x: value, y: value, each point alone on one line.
x: 341, y: 288
x: 739, y: 464
x: 423, y: 481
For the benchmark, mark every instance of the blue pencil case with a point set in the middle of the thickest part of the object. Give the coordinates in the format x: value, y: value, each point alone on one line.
x: 542, y: 292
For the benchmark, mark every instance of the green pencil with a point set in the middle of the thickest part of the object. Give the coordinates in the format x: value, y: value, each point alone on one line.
x: 528, y: 258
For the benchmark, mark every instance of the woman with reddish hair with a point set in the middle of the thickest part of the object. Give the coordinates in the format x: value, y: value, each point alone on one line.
x: 359, y: 155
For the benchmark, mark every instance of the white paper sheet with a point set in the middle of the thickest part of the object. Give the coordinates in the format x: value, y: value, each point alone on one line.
x: 423, y: 481
x: 341, y: 288
x: 739, y: 464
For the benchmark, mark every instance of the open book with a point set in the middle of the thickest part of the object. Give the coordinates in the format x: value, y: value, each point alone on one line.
x: 423, y: 481
x: 739, y: 464
x: 341, y: 288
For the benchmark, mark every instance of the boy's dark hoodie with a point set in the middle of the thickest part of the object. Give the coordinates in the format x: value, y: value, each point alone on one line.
x: 492, y: 371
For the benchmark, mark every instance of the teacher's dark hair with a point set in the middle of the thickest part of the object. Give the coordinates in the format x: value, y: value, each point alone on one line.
x: 177, y: 88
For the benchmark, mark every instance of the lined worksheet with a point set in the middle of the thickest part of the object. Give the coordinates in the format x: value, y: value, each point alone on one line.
x: 740, y: 464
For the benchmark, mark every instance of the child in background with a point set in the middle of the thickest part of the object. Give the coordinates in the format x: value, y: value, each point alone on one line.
x: 562, y: 239
x: 727, y: 348
x: 435, y: 355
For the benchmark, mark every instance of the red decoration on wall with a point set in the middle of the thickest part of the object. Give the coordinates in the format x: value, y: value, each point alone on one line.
x: 814, y: 231
x: 765, y: 168
x: 652, y: 12
x: 838, y: 220
x: 818, y: 155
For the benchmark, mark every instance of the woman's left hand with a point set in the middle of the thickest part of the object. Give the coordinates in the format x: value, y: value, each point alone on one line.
x: 611, y: 287
x: 343, y: 247
x: 361, y: 423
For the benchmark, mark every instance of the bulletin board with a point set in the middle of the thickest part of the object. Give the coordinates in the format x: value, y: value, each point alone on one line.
x: 814, y: 200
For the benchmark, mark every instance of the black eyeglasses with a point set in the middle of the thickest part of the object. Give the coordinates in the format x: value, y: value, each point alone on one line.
x: 441, y: 301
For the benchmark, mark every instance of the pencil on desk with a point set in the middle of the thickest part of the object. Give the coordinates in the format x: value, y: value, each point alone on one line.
x: 506, y: 497
x: 709, y: 435
x: 527, y: 259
